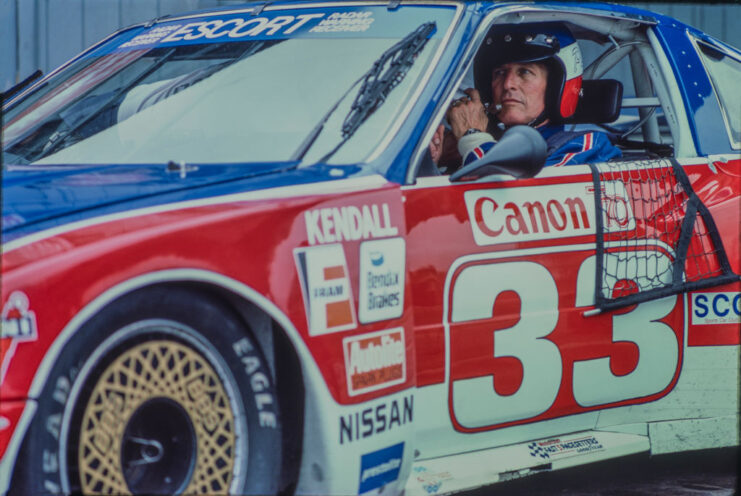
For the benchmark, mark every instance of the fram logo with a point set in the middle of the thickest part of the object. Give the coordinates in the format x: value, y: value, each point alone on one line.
x: 325, y: 283
x: 374, y: 361
x: 542, y: 212
x: 18, y: 324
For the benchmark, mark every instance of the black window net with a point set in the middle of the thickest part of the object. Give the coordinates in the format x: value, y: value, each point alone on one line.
x: 655, y: 237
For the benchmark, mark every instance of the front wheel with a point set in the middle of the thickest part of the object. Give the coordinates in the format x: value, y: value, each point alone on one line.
x: 165, y: 392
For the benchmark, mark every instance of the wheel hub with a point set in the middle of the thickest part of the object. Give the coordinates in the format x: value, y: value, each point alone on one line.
x: 159, y: 448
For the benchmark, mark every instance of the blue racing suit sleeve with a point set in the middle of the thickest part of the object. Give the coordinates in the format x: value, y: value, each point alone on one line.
x: 587, y: 148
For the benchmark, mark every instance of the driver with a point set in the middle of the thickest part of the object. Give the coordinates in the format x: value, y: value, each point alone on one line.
x: 532, y: 75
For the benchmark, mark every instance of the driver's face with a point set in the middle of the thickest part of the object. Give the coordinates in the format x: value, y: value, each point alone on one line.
x: 520, y: 90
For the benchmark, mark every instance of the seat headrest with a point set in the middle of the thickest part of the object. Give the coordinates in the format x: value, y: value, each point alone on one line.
x: 599, y: 103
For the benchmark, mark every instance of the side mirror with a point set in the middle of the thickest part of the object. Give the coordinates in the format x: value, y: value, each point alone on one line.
x: 520, y: 153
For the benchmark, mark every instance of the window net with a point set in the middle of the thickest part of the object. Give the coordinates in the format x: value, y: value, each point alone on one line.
x: 655, y: 237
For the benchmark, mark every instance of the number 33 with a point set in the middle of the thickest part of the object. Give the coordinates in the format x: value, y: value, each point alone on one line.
x: 476, y: 404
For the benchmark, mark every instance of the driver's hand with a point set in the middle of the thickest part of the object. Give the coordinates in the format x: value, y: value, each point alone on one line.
x: 436, y: 144
x: 467, y: 113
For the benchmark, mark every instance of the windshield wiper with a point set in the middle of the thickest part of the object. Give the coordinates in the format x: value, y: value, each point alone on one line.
x: 385, y: 74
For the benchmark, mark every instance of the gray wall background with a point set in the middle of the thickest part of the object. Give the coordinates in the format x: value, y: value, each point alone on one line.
x: 43, y: 34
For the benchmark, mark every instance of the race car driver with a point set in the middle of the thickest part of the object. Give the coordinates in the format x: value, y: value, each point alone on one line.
x: 532, y: 75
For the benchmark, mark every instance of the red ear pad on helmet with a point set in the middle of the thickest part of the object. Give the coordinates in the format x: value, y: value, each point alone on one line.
x: 570, y: 97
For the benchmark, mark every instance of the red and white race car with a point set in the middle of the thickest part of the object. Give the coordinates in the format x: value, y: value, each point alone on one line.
x: 229, y: 265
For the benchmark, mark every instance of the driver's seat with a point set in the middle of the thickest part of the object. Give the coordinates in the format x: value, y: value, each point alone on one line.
x: 599, y: 103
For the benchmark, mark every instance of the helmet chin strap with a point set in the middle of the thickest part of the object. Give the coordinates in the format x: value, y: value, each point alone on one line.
x: 540, y: 119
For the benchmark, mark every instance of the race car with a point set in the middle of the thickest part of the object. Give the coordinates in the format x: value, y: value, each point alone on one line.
x: 230, y: 264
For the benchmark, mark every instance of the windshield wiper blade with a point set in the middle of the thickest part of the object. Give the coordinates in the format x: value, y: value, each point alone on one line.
x: 385, y: 74
x: 378, y: 83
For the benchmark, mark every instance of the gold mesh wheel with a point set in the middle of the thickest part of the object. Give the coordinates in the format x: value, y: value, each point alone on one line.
x: 158, y: 420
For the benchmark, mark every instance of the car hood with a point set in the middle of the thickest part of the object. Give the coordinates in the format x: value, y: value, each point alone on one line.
x: 37, y: 198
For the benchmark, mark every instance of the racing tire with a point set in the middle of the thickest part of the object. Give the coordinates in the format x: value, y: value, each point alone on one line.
x: 163, y: 392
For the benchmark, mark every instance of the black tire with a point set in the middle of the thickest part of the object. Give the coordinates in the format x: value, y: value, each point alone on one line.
x: 165, y: 391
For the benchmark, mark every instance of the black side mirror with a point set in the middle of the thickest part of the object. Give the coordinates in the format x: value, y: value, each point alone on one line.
x: 520, y: 153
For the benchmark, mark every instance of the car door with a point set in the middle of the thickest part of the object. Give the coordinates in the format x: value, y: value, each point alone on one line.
x: 512, y: 279
x: 503, y: 281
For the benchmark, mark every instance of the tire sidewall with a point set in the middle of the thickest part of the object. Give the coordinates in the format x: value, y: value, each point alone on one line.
x: 205, y: 325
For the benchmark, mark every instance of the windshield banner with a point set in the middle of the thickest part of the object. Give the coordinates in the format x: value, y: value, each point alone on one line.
x: 348, y: 22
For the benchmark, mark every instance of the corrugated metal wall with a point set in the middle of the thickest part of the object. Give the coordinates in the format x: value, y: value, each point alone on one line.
x: 42, y: 34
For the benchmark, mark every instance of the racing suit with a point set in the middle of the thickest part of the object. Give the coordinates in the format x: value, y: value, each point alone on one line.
x: 564, y: 147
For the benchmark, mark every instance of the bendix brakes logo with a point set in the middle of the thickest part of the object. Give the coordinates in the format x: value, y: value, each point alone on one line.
x: 382, y: 271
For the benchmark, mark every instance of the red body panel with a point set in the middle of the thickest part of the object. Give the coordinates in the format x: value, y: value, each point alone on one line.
x: 438, y: 216
x: 245, y: 241
x: 10, y: 412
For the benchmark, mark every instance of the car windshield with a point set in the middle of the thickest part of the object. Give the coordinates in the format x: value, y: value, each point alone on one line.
x: 228, y: 88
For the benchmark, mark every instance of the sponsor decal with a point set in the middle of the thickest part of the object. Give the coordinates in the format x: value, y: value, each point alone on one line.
x: 380, y: 467
x: 431, y: 481
x: 716, y: 308
x: 544, y: 212
x: 325, y: 283
x: 234, y: 28
x: 571, y: 56
x: 382, y: 265
x: 375, y: 361
x: 246, y: 27
x: 376, y: 419
x: 350, y: 223
x: 561, y: 448
x: 18, y: 325
x: 617, y: 214
x: 152, y: 36
x: 340, y: 22
x: 348, y: 21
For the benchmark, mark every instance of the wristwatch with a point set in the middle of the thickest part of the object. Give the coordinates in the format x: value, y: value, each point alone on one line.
x: 472, y: 130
